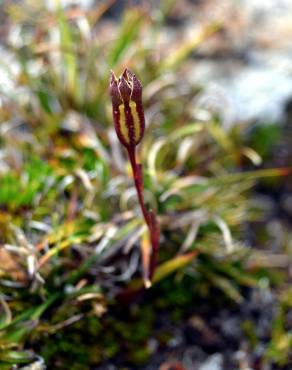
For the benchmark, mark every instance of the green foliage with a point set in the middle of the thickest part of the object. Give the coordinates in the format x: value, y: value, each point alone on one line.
x: 21, y: 189
x: 264, y: 138
x: 70, y: 226
x: 280, y: 347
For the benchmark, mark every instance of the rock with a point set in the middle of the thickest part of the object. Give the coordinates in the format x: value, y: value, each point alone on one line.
x: 214, y: 362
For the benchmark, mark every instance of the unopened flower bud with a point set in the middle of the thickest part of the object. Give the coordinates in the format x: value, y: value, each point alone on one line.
x: 128, y: 114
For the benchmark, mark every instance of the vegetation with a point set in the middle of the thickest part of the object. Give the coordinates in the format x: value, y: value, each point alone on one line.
x: 72, y: 233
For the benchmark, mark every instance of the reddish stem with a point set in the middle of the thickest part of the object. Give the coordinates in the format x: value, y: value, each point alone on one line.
x: 138, y: 183
x: 149, y: 217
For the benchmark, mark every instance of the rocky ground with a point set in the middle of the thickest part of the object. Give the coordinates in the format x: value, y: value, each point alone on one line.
x: 247, y: 67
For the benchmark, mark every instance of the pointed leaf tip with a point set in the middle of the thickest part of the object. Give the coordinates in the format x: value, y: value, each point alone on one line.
x: 113, y: 78
x: 125, y: 89
x: 125, y: 74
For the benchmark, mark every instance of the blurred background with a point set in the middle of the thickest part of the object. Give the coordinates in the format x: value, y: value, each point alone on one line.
x: 217, y: 163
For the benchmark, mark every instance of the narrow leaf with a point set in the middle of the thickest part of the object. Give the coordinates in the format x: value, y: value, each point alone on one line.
x: 172, y: 265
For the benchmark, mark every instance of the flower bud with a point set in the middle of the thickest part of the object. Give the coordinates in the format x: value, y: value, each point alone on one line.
x: 128, y: 114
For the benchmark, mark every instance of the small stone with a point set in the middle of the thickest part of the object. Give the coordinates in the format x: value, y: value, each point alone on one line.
x: 214, y: 362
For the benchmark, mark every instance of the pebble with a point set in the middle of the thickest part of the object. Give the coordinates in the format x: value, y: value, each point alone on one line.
x: 214, y: 362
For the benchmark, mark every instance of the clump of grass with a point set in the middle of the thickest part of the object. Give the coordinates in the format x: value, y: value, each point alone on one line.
x: 70, y: 235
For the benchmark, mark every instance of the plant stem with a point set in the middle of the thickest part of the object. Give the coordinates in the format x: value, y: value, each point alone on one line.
x: 138, y: 180
x: 149, y: 216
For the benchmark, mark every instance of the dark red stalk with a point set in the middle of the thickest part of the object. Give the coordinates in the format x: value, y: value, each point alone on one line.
x: 149, y: 216
x: 138, y: 180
